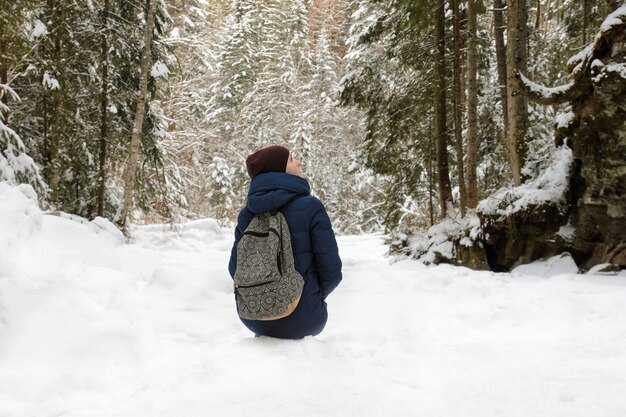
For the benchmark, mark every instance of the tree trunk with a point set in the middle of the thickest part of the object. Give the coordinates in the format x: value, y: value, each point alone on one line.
x: 585, y: 20
x: 104, y: 109
x: 54, y: 128
x: 516, y: 57
x: 538, y: 15
x: 458, y: 110
x: 46, y: 137
x: 130, y: 171
x: 472, y: 107
x: 431, y: 175
x: 4, y: 77
x: 498, y: 26
x: 443, y: 176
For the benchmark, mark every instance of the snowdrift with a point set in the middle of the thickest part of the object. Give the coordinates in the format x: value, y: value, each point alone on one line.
x: 92, y: 326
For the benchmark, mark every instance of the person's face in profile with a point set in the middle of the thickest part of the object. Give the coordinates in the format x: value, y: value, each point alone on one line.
x: 294, y: 166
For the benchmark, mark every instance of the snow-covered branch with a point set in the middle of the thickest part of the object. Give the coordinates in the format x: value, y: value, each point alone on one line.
x: 586, y: 61
x: 546, y: 95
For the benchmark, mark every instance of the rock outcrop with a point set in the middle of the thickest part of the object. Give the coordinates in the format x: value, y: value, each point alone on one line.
x: 591, y: 222
x: 579, y: 204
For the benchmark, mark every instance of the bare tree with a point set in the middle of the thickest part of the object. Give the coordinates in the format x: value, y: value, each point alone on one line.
x: 130, y: 171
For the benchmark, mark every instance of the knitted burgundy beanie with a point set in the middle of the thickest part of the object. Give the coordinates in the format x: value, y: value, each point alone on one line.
x: 270, y: 159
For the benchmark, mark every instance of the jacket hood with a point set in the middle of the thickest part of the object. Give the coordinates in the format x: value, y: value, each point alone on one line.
x: 272, y: 190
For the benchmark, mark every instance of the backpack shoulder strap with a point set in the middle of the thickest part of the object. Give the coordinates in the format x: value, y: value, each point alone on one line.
x: 287, y: 204
x: 283, y: 208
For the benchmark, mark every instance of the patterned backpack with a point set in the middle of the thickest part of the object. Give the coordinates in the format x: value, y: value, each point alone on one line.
x: 267, y: 285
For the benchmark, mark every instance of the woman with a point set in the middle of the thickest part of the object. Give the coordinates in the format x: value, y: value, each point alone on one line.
x: 276, y: 179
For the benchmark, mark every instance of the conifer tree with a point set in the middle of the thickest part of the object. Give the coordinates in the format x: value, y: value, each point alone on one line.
x: 516, y: 60
x: 457, y: 103
x: 499, y: 27
x: 236, y: 69
x: 472, y: 105
x: 391, y: 78
x: 17, y: 30
x: 104, y: 110
x: 441, y: 135
x: 192, y: 140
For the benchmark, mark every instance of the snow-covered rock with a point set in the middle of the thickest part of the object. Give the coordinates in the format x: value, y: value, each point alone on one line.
x: 555, y: 265
x: 548, y: 188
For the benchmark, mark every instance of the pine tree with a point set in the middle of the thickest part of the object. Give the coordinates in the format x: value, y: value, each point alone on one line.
x: 317, y: 115
x: 441, y: 136
x: 472, y: 104
x: 458, y: 105
x: 267, y: 108
x: 17, y: 30
x: 221, y: 195
x: 516, y: 60
x: 191, y: 140
x: 499, y: 26
x: 65, y: 118
x: 236, y: 70
x: 104, y: 110
x: 390, y: 78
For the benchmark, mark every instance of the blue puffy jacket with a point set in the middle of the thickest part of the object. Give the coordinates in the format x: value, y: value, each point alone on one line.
x: 314, y: 246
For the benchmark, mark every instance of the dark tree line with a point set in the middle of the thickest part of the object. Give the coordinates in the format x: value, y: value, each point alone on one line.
x: 432, y: 109
x: 444, y: 69
x: 76, y: 69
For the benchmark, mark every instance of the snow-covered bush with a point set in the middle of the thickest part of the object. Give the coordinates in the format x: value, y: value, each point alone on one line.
x: 20, y: 218
x: 16, y: 165
x: 437, y: 243
x: 549, y: 187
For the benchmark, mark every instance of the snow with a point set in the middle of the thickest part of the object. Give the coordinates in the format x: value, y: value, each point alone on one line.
x: 618, y: 68
x: 549, y: 187
x: 580, y: 57
x: 603, y: 269
x: 20, y: 218
x: 174, y: 34
x: 567, y: 231
x: 39, y: 29
x: 91, y: 326
x: 556, y: 265
x: 597, y: 63
x: 159, y: 69
x: 614, y: 19
x: 564, y: 119
x: 438, y: 238
x: 50, y: 82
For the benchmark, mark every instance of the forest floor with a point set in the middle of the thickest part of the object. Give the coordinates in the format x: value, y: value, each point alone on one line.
x: 91, y: 326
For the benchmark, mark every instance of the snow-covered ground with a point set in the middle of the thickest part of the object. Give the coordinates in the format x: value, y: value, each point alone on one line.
x: 90, y: 326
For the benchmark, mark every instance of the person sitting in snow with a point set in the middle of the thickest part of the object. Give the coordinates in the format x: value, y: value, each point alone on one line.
x: 277, y: 182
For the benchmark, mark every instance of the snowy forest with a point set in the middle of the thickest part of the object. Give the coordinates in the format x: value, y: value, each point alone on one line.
x: 405, y: 113
x: 470, y: 154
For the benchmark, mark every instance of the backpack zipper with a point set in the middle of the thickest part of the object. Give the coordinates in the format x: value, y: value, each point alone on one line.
x: 258, y: 284
x: 261, y: 234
